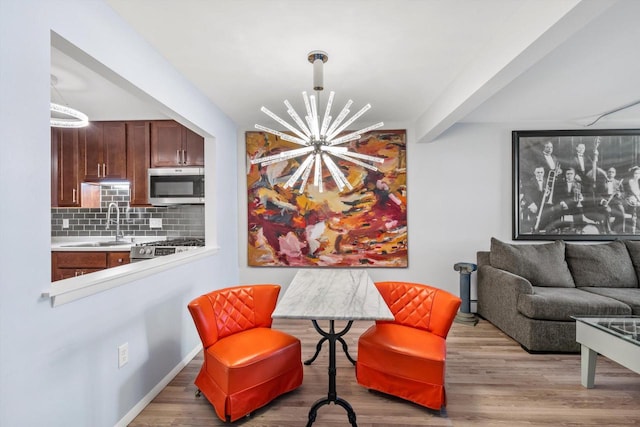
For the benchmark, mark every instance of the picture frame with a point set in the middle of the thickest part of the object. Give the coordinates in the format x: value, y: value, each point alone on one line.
x: 576, y: 184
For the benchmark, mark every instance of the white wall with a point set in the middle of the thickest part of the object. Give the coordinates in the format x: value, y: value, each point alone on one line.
x: 58, y: 367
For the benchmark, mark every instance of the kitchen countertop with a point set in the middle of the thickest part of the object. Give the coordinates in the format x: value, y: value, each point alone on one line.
x: 62, y: 244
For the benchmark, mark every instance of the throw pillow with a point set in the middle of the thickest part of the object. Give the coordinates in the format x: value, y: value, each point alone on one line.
x: 604, y: 265
x: 540, y: 264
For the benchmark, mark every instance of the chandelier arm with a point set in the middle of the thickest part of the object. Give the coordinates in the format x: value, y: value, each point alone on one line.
x: 363, y: 156
x: 305, y: 176
x: 348, y: 122
x: 283, y: 123
x: 346, y: 138
x: 357, y: 162
x: 327, y: 117
x: 284, y: 136
x: 345, y: 111
x: 317, y: 177
x: 314, y: 117
x: 296, y: 118
x: 307, y: 106
x: 331, y: 149
x: 358, y: 133
x: 336, y: 173
x: 301, y: 169
x: 285, y: 155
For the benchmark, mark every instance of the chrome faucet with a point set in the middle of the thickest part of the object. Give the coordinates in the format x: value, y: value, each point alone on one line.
x: 118, y: 233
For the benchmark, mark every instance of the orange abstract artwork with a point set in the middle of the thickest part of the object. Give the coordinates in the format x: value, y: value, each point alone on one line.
x: 365, y: 226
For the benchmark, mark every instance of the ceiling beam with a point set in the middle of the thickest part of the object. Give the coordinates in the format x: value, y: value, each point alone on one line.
x: 537, y: 29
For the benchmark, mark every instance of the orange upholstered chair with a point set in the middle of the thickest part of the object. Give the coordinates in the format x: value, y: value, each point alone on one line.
x: 246, y: 363
x: 406, y: 357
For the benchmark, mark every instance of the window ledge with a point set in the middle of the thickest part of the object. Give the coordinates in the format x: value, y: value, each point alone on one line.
x: 72, y: 289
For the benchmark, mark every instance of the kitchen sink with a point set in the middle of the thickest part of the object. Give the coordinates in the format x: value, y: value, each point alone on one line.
x: 96, y: 244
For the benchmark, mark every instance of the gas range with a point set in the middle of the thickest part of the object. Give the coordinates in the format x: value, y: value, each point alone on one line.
x: 150, y: 250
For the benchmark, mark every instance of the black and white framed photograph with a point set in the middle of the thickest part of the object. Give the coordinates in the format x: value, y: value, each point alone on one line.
x: 576, y: 184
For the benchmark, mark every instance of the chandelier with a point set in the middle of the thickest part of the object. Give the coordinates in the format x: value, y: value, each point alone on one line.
x: 319, y: 137
x: 63, y: 116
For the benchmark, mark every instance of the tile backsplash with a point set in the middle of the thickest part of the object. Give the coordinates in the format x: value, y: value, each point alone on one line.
x: 177, y: 221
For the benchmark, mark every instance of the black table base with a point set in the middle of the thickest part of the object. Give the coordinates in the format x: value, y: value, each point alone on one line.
x: 332, y: 397
x: 324, y: 338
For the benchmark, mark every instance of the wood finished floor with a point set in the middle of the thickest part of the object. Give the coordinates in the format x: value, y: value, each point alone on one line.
x: 490, y: 381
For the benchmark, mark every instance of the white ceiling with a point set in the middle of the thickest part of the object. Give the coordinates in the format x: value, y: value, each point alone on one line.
x: 420, y: 63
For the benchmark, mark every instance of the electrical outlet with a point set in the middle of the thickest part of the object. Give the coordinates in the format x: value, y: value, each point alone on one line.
x: 155, y: 222
x: 65, y: 222
x: 123, y: 354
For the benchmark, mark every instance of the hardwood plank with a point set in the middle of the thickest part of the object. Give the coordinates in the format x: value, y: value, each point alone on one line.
x: 491, y: 381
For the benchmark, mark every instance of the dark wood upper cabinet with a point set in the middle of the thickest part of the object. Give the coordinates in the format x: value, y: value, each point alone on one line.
x: 105, y: 150
x: 117, y: 150
x: 138, y: 149
x: 173, y: 145
x: 66, y: 169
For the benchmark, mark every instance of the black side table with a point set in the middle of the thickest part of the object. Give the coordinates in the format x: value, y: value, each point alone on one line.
x: 465, y: 316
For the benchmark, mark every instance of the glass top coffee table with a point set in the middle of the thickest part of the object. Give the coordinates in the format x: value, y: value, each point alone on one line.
x: 615, y: 337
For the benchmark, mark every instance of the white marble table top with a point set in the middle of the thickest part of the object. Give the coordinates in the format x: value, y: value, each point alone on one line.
x: 333, y: 294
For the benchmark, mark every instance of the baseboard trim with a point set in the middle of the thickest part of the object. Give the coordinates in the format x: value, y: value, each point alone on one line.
x: 138, y: 407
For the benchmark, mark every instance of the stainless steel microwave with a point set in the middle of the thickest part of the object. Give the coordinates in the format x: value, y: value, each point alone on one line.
x: 176, y: 186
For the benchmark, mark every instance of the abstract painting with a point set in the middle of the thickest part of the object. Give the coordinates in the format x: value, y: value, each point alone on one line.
x: 365, y: 226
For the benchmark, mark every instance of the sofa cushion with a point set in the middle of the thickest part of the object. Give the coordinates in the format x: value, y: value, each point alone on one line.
x: 561, y: 303
x: 541, y: 264
x: 633, y: 246
x: 601, y: 265
x: 631, y: 297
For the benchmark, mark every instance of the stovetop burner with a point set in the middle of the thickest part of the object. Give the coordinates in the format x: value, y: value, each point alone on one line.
x: 180, y: 241
x: 149, y: 250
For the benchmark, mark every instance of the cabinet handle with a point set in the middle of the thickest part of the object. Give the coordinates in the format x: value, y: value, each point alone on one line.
x: 178, y: 157
x: 120, y: 260
x: 104, y: 170
x: 184, y: 157
x: 73, y: 195
x: 98, y: 170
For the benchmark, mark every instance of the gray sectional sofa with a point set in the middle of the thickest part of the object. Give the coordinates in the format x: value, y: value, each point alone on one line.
x: 530, y: 291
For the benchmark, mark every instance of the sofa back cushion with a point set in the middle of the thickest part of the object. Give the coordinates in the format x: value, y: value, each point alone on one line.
x: 604, y: 265
x: 540, y: 264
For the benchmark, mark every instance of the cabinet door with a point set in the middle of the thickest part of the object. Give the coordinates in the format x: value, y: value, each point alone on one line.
x: 193, y: 149
x: 166, y: 143
x: 138, y: 162
x: 91, y: 141
x: 114, y: 150
x: 115, y: 259
x: 68, y: 167
x: 105, y: 150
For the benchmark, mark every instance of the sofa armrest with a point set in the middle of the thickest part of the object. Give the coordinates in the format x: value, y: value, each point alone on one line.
x: 498, y: 292
x: 503, y: 280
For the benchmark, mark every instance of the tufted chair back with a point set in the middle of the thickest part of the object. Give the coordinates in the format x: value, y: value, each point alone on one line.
x: 420, y: 306
x: 227, y: 311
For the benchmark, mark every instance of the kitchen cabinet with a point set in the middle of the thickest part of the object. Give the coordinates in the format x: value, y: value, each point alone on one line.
x: 173, y: 145
x: 138, y: 155
x: 71, y: 264
x: 66, y: 168
x: 105, y: 147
